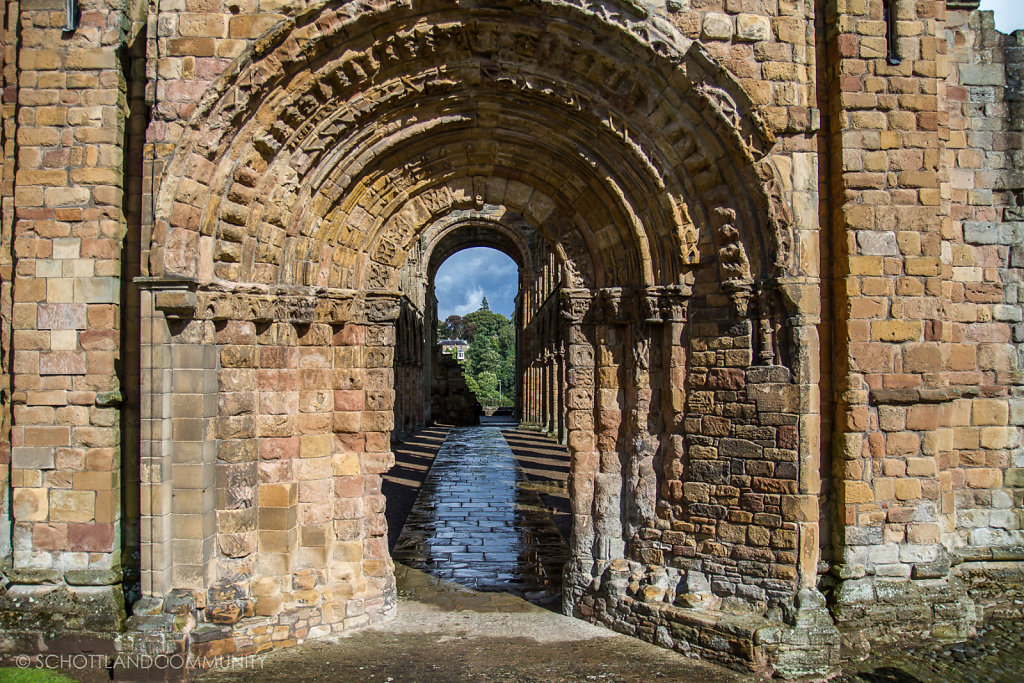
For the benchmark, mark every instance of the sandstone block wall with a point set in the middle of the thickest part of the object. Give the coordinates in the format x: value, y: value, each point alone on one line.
x: 769, y: 297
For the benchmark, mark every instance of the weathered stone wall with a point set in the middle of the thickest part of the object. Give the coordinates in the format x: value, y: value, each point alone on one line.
x: 264, y: 479
x: 770, y: 298
x: 987, y: 184
x: 63, y: 217
x: 8, y: 133
x: 929, y: 294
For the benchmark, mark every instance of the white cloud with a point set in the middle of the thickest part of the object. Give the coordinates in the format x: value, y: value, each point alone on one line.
x: 1009, y: 14
x: 472, y: 301
x: 468, y: 276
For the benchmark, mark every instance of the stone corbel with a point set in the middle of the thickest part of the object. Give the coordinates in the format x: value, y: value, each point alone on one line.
x: 175, y: 297
x: 382, y: 306
x: 739, y: 293
x: 618, y: 305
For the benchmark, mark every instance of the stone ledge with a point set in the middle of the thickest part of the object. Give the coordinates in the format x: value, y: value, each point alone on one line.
x: 916, y: 396
x: 870, y: 611
x: 57, y: 610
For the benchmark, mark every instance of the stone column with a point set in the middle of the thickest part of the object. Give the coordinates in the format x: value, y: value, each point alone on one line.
x: 610, y: 395
x: 802, y: 299
x: 560, y: 391
x: 580, y: 422
x: 363, y: 453
x: 673, y: 398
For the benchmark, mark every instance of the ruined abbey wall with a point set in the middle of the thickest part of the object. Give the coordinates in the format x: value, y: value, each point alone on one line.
x: 769, y: 298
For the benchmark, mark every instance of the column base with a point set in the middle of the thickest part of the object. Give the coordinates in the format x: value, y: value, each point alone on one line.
x: 187, y: 632
x: 802, y: 642
x: 69, y: 628
x: 870, y: 611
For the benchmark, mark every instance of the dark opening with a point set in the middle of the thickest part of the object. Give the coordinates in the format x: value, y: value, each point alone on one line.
x: 891, y: 32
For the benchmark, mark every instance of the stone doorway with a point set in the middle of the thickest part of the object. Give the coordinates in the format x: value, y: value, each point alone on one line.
x: 299, y: 225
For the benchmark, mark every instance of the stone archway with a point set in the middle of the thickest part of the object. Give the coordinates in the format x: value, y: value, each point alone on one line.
x: 308, y: 177
x: 489, y: 226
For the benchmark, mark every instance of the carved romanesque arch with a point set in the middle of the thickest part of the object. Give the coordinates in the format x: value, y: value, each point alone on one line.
x: 319, y: 174
x: 326, y: 143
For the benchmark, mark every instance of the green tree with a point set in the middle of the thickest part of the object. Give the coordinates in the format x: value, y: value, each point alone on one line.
x: 491, y: 356
x: 453, y: 327
x: 483, y: 323
x: 487, y: 389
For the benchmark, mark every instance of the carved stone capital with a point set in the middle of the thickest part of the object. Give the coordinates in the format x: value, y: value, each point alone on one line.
x: 175, y: 297
x: 182, y: 299
x: 576, y: 305
x: 619, y: 305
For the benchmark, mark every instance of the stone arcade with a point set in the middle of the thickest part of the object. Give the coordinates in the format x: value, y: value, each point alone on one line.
x: 769, y: 258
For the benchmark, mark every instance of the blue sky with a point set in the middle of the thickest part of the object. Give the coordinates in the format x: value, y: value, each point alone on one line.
x: 1009, y: 13
x: 471, y: 274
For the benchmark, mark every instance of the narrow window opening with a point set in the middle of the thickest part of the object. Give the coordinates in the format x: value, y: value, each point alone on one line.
x: 70, y: 15
x: 891, y: 33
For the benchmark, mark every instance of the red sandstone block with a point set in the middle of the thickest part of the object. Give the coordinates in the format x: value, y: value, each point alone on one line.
x: 62, y: 363
x: 61, y: 316
x: 279, y: 448
x: 94, y: 538
x: 349, y: 400
x: 99, y: 340
x: 50, y: 536
x: 349, y: 335
x: 348, y: 487
x: 351, y: 442
x: 726, y: 378
x: 377, y: 442
x: 100, y: 248
x: 277, y: 380
x: 102, y: 316
x: 315, y: 378
x: 872, y: 357
x: 273, y: 357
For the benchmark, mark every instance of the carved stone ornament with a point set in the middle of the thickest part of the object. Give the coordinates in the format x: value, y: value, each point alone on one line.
x: 576, y: 304
x: 334, y: 306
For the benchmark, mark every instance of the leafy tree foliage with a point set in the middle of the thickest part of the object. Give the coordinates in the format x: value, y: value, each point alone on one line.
x: 453, y: 327
x: 491, y: 357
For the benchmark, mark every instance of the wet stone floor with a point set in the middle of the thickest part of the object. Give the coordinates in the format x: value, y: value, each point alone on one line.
x: 480, y: 522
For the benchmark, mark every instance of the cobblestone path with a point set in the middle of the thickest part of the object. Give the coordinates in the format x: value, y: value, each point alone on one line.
x: 479, y: 522
x: 995, y: 655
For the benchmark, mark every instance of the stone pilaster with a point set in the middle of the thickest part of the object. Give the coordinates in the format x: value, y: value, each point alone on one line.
x: 68, y: 230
